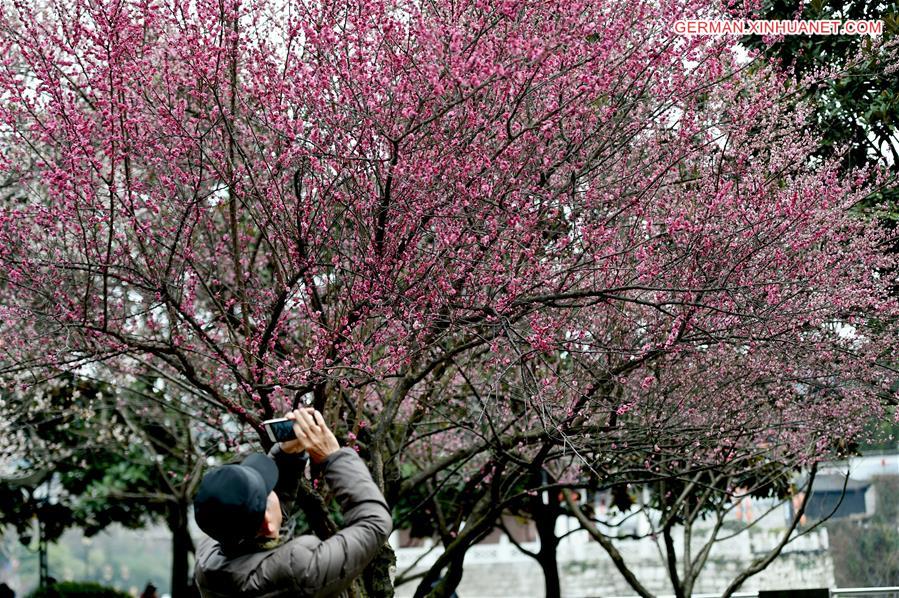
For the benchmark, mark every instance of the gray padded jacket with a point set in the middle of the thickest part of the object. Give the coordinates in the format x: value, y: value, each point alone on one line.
x: 305, y: 565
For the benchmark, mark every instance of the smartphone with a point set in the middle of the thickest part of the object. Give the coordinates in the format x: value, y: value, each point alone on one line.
x: 280, y: 429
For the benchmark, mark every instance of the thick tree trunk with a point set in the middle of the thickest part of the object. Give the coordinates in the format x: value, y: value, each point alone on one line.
x: 550, y: 566
x: 182, y: 546
x: 545, y: 519
x: 376, y: 577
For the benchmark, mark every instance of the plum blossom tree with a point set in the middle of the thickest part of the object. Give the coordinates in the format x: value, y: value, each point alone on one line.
x: 485, y: 237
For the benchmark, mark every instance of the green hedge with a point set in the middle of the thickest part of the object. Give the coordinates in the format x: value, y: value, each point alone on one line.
x: 77, y: 589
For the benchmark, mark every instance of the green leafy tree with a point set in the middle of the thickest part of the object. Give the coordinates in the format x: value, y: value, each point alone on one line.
x: 856, y: 101
x: 864, y: 551
x: 86, y: 454
x: 70, y: 589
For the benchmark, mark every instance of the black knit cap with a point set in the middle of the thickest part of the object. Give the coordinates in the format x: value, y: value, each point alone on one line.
x: 230, y: 505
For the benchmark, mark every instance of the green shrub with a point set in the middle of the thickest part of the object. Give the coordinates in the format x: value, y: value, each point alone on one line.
x: 77, y: 589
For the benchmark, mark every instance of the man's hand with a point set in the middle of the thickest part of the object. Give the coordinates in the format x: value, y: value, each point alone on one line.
x: 312, y: 434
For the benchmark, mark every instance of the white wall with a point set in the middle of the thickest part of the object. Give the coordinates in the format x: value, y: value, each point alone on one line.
x: 585, y: 570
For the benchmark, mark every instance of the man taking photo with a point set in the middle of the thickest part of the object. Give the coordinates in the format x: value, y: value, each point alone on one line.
x: 241, y: 508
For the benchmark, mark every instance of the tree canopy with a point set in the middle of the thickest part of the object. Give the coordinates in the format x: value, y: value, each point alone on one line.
x: 486, y: 238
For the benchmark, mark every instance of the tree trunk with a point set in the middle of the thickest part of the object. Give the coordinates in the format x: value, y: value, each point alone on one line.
x: 550, y: 573
x: 545, y: 516
x: 446, y: 586
x: 547, y: 559
x: 182, y: 546
x: 436, y: 583
x: 376, y: 577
